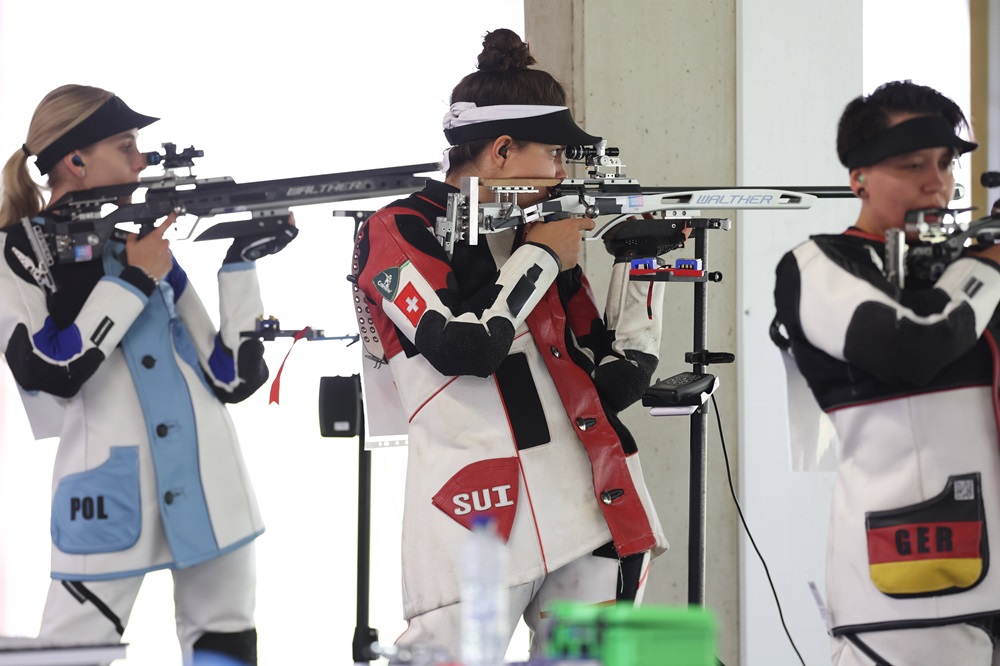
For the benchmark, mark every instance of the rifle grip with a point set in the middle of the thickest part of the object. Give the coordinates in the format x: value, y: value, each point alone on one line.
x: 146, y: 226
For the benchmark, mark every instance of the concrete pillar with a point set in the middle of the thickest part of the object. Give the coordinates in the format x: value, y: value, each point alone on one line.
x: 724, y: 92
x: 658, y: 80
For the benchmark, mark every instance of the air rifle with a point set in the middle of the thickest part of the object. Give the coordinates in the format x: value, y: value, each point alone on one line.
x: 938, y: 239
x: 78, y: 228
x: 644, y: 216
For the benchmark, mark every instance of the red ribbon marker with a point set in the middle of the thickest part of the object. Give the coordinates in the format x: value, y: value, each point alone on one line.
x: 276, y: 384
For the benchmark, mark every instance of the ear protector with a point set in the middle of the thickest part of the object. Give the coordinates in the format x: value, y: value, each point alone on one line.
x: 861, y: 177
x: 77, y: 161
x: 502, y: 152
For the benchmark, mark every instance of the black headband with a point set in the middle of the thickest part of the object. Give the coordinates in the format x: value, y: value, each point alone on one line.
x: 109, y: 119
x: 907, y: 137
x: 557, y: 129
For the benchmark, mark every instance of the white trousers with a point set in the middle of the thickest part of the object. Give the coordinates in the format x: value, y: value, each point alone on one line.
x: 958, y: 644
x: 215, y: 596
x: 589, y: 579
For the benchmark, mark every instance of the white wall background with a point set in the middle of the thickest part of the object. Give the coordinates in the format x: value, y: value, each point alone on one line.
x: 267, y: 90
x: 793, y: 90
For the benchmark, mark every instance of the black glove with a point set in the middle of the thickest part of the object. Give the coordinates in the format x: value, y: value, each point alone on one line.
x: 251, y: 248
x: 643, y: 238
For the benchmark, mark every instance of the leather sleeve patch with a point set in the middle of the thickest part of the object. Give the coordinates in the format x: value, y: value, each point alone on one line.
x: 34, y: 373
x: 522, y: 291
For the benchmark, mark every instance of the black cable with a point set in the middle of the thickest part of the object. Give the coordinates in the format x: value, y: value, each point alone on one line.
x: 732, y: 490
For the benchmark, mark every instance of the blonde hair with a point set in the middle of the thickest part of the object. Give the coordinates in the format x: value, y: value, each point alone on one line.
x: 58, y: 112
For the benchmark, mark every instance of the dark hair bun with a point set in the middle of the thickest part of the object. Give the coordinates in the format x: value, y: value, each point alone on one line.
x: 503, y: 51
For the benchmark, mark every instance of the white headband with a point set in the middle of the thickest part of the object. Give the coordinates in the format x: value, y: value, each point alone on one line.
x: 461, y: 114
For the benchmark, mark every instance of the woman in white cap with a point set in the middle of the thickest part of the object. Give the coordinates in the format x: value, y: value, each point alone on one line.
x: 115, y: 354
x: 510, y: 375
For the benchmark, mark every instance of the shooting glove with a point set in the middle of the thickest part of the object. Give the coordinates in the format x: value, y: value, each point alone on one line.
x: 643, y: 238
x: 251, y: 248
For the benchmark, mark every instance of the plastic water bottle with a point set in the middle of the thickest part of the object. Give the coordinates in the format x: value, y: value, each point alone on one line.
x: 484, y: 596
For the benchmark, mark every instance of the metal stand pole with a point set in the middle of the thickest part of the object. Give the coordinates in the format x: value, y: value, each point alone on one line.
x: 699, y: 438
x: 364, y: 635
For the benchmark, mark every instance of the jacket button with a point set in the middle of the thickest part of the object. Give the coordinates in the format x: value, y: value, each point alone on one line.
x: 168, y: 497
x: 555, y: 351
x: 148, y: 361
x: 162, y: 430
x: 609, y: 496
x: 583, y: 423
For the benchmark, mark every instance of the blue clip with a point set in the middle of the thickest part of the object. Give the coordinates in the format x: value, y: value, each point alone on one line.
x: 688, y: 264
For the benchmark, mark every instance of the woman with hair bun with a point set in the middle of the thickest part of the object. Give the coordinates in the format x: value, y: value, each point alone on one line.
x: 115, y: 354
x: 508, y: 372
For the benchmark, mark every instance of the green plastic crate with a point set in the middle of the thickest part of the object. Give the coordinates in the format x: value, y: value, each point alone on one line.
x: 624, y: 635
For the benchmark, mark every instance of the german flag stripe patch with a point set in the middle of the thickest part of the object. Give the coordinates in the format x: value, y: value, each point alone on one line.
x: 925, y: 541
x: 926, y: 576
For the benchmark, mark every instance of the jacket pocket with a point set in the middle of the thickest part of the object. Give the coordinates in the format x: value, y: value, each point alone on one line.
x: 933, y: 548
x: 521, y: 402
x: 99, y: 511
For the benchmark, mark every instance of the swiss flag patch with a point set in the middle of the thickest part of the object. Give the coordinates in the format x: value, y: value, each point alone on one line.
x: 410, y: 303
x: 484, y: 488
